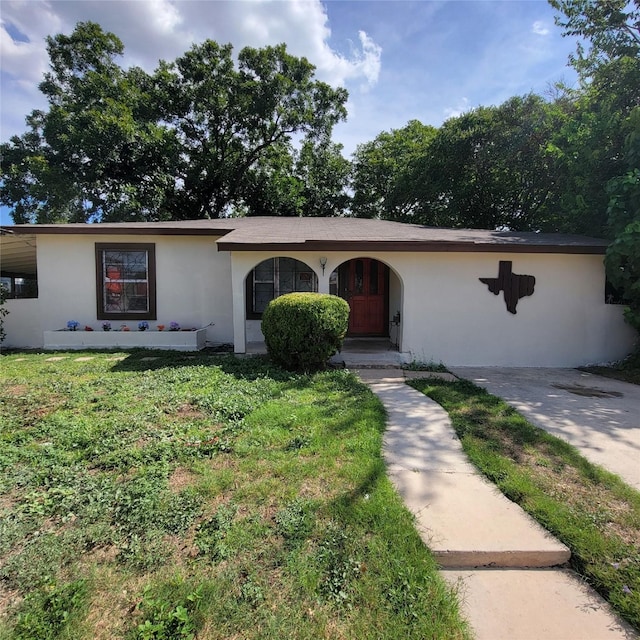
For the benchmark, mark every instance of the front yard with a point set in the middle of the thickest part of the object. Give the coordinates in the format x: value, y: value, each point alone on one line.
x: 164, y: 495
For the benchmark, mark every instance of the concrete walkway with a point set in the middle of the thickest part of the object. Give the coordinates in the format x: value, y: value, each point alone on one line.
x: 504, y: 565
x: 599, y: 416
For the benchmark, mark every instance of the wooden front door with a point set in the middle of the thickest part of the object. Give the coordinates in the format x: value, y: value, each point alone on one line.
x: 366, y: 293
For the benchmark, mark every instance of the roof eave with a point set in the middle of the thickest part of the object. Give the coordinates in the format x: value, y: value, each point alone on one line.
x: 411, y: 246
x: 103, y: 229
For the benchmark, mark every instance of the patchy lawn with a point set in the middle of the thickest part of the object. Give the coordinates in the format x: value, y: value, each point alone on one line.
x: 163, y: 495
x: 592, y: 511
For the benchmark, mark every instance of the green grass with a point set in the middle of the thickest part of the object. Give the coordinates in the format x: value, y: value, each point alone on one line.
x: 160, y: 495
x: 592, y: 511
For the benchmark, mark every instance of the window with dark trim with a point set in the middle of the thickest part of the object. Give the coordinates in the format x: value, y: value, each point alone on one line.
x: 275, y: 277
x: 126, y: 281
x: 19, y: 286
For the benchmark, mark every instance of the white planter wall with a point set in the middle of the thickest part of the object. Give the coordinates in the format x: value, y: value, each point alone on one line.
x: 174, y: 340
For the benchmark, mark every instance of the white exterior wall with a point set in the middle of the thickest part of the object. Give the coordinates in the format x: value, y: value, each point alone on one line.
x: 193, y: 282
x: 449, y: 316
x: 23, y: 324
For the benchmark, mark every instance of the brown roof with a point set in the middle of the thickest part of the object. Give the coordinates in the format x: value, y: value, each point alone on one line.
x: 334, y: 234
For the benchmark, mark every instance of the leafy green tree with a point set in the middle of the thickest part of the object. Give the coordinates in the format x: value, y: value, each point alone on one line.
x: 610, y: 72
x: 379, y: 175
x: 612, y: 27
x: 180, y: 143
x: 490, y: 168
x: 324, y: 174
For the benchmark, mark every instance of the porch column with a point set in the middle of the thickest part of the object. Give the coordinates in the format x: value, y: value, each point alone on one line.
x: 238, y: 306
x: 323, y: 278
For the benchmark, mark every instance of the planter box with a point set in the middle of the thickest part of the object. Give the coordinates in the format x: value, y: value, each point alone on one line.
x: 172, y: 340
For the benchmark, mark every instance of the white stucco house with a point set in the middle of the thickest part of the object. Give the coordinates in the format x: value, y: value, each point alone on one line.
x: 461, y: 297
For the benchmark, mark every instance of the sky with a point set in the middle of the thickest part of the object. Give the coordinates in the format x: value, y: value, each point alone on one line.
x: 400, y: 60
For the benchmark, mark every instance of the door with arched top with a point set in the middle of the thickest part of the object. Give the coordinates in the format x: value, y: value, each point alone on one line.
x: 364, y: 286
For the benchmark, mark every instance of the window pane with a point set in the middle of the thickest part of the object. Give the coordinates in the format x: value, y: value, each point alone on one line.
x: 287, y: 275
x: 135, y: 265
x: 263, y: 294
x: 264, y: 271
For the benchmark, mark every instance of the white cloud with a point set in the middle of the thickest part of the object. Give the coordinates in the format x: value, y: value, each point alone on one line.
x: 459, y: 109
x: 540, y: 28
x: 164, y: 29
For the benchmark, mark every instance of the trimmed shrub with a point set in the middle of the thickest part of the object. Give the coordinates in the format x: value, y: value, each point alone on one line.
x: 303, y: 330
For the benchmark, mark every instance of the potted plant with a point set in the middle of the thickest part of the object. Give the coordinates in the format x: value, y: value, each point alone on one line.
x: 72, y: 325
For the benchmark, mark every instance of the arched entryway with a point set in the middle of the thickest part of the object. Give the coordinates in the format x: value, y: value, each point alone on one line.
x: 364, y: 284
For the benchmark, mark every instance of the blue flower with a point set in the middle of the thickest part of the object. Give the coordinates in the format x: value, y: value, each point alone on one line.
x: 72, y: 325
x: 143, y: 326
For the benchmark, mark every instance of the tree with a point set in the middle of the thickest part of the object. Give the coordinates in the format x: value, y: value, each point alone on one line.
x: 324, y: 175
x: 180, y: 143
x: 97, y: 153
x: 490, y: 169
x: 611, y: 26
x: 611, y: 73
x: 379, y: 178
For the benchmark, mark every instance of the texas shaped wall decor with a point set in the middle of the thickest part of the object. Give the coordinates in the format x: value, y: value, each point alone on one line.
x: 513, y: 285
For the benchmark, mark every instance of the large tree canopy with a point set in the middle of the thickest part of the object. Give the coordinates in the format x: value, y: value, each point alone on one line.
x: 610, y: 72
x: 188, y: 141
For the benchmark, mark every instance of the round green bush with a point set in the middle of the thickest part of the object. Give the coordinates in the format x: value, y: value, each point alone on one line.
x: 303, y: 330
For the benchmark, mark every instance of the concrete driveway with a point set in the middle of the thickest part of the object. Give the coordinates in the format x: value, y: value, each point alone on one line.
x: 599, y: 416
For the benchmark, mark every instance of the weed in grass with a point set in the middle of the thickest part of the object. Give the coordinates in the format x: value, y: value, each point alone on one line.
x: 112, y: 462
x: 180, y: 511
x: 408, y: 593
x: 166, y: 620
x: 338, y: 564
x: 416, y: 365
x: 211, y: 535
x: 36, y: 563
x: 295, y: 521
x: 144, y: 551
x: 251, y: 591
x: 298, y: 442
x: 49, y: 612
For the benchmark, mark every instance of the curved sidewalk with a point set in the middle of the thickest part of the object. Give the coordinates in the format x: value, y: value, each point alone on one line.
x: 504, y: 563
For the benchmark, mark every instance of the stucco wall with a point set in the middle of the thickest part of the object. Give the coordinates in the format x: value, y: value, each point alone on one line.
x: 23, y: 324
x: 193, y: 282
x: 449, y: 316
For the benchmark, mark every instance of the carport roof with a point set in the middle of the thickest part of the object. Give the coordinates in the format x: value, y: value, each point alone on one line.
x: 333, y: 234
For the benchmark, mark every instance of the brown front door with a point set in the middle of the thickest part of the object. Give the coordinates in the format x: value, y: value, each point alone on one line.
x: 366, y: 293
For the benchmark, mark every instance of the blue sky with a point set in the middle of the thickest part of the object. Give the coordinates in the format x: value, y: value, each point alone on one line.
x: 400, y: 60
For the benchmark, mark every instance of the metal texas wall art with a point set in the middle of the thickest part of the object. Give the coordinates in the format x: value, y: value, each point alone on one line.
x: 513, y: 285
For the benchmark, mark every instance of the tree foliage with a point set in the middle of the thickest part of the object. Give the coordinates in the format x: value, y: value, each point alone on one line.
x: 610, y: 72
x: 191, y: 140
x: 380, y: 168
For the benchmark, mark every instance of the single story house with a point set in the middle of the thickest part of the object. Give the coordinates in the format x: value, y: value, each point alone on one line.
x: 461, y: 297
